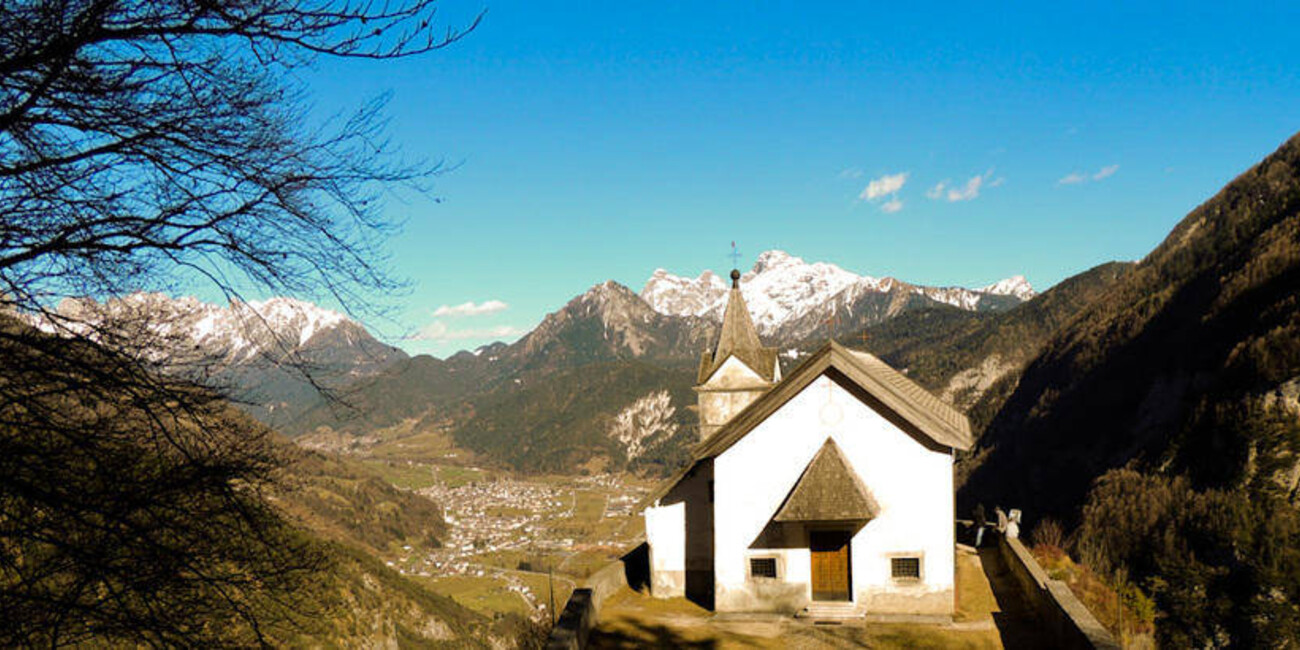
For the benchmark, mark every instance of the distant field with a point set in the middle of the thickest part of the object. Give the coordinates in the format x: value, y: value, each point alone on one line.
x: 485, y: 595
x: 405, y: 474
x: 454, y: 476
x: 427, y: 446
x: 489, y: 595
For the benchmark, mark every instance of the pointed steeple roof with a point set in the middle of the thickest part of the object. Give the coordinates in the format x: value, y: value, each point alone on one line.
x: 738, y: 331
x: 828, y: 490
x: 739, y: 338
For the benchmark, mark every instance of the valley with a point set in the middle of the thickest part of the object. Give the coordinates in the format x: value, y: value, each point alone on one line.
x: 509, y: 537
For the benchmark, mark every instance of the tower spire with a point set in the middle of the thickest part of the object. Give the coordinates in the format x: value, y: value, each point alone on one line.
x: 723, y: 393
x: 738, y: 333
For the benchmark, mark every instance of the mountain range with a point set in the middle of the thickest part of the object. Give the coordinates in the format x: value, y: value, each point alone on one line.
x: 788, y: 297
x: 608, y: 344
x: 272, y: 357
x: 551, y: 400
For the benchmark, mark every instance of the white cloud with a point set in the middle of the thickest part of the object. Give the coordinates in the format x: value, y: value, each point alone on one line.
x: 851, y: 173
x: 471, y: 309
x: 883, y: 186
x: 1105, y: 172
x: 971, y: 189
x: 891, y: 206
x: 439, y: 331
x: 1076, y: 178
x: 945, y: 191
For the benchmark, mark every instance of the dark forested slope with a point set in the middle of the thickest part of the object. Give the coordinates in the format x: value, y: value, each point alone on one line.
x: 1183, y: 374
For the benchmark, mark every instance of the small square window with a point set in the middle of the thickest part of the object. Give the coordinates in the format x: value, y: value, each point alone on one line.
x: 905, y: 568
x: 762, y: 567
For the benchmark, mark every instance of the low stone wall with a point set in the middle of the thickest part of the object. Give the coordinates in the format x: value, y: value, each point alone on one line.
x: 573, y: 629
x: 605, y: 582
x: 1059, y: 611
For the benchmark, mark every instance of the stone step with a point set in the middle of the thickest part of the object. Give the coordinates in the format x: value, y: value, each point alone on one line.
x: 831, y: 610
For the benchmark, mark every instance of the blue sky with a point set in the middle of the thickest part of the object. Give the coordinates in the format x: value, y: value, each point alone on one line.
x: 602, y: 140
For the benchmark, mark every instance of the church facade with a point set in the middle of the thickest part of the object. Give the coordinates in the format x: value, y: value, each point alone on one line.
x: 830, y: 489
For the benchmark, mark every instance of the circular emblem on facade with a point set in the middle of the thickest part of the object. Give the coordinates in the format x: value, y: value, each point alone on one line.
x: 831, y: 414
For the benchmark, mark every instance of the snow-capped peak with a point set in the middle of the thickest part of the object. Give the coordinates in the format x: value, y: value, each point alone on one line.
x: 782, y: 288
x: 673, y: 294
x: 289, y: 315
x: 239, y: 331
x: 1015, y: 285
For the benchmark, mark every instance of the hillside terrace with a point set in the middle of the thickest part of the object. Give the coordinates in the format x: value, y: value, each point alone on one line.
x: 991, y: 613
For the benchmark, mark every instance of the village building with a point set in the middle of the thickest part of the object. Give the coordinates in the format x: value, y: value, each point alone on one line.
x: 829, y: 491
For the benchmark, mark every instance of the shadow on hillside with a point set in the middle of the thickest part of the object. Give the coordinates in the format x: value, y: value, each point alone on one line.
x: 638, y: 635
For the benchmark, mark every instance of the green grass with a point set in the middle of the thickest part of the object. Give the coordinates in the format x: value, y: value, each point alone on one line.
x: 405, y: 475
x: 585, y: 563
x: 433, y: 446
x: 485, y: 595
x: 454, y: 476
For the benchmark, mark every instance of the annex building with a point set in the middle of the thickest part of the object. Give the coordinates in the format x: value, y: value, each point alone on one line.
x: 830, y: 489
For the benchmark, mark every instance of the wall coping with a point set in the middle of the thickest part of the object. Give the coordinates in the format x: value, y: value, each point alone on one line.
x: 1073, y: 623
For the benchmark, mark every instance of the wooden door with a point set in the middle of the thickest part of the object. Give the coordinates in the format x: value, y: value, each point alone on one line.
x: 830, y: 564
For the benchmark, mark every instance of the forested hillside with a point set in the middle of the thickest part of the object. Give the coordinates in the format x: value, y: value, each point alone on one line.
x: 1162, y: 421
x: 974, y: 359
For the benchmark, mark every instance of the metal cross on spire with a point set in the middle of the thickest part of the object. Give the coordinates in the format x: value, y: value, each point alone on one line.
x: 735, y: 256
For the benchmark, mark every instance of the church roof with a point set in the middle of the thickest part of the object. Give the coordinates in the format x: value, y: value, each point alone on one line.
x: 928, y: 419
x: 912, y: 408
x: 828, y: 490
x: 738, y: 338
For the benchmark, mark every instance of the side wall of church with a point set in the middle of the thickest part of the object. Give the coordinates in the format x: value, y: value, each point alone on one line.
x: 679, y: 532
x: 912, y: 484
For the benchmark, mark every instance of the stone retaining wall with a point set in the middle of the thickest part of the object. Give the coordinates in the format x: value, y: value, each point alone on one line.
x: 573, y: 629
x: 1059, y: 611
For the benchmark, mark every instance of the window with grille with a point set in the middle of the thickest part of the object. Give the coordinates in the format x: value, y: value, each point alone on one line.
x: 762, y: 567
x: 905, y: 568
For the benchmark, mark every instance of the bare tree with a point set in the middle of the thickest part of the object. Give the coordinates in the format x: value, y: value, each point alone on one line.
x: 146, y: 145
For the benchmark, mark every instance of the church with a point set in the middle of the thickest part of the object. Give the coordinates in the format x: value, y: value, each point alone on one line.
x: 828, y: 492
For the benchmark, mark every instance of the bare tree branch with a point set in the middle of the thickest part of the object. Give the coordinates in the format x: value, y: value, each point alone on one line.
x: 148, y: 145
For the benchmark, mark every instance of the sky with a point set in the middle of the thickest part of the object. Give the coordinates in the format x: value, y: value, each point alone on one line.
x: 939, y: 144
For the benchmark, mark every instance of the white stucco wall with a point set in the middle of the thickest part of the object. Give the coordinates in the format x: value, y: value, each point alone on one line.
x: 665, y: 533
x: 911, y: 483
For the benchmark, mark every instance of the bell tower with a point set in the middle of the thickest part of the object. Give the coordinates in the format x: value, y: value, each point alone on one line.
x: 737, y: 370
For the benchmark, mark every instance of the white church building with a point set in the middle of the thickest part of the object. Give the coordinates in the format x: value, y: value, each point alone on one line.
x: 826, y: 491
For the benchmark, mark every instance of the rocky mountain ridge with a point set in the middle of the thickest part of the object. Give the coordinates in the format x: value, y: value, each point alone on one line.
x: 272, y: 356
x: 785, y: 294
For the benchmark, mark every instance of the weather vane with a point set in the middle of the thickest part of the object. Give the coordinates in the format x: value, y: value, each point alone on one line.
x: 735, y: 256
